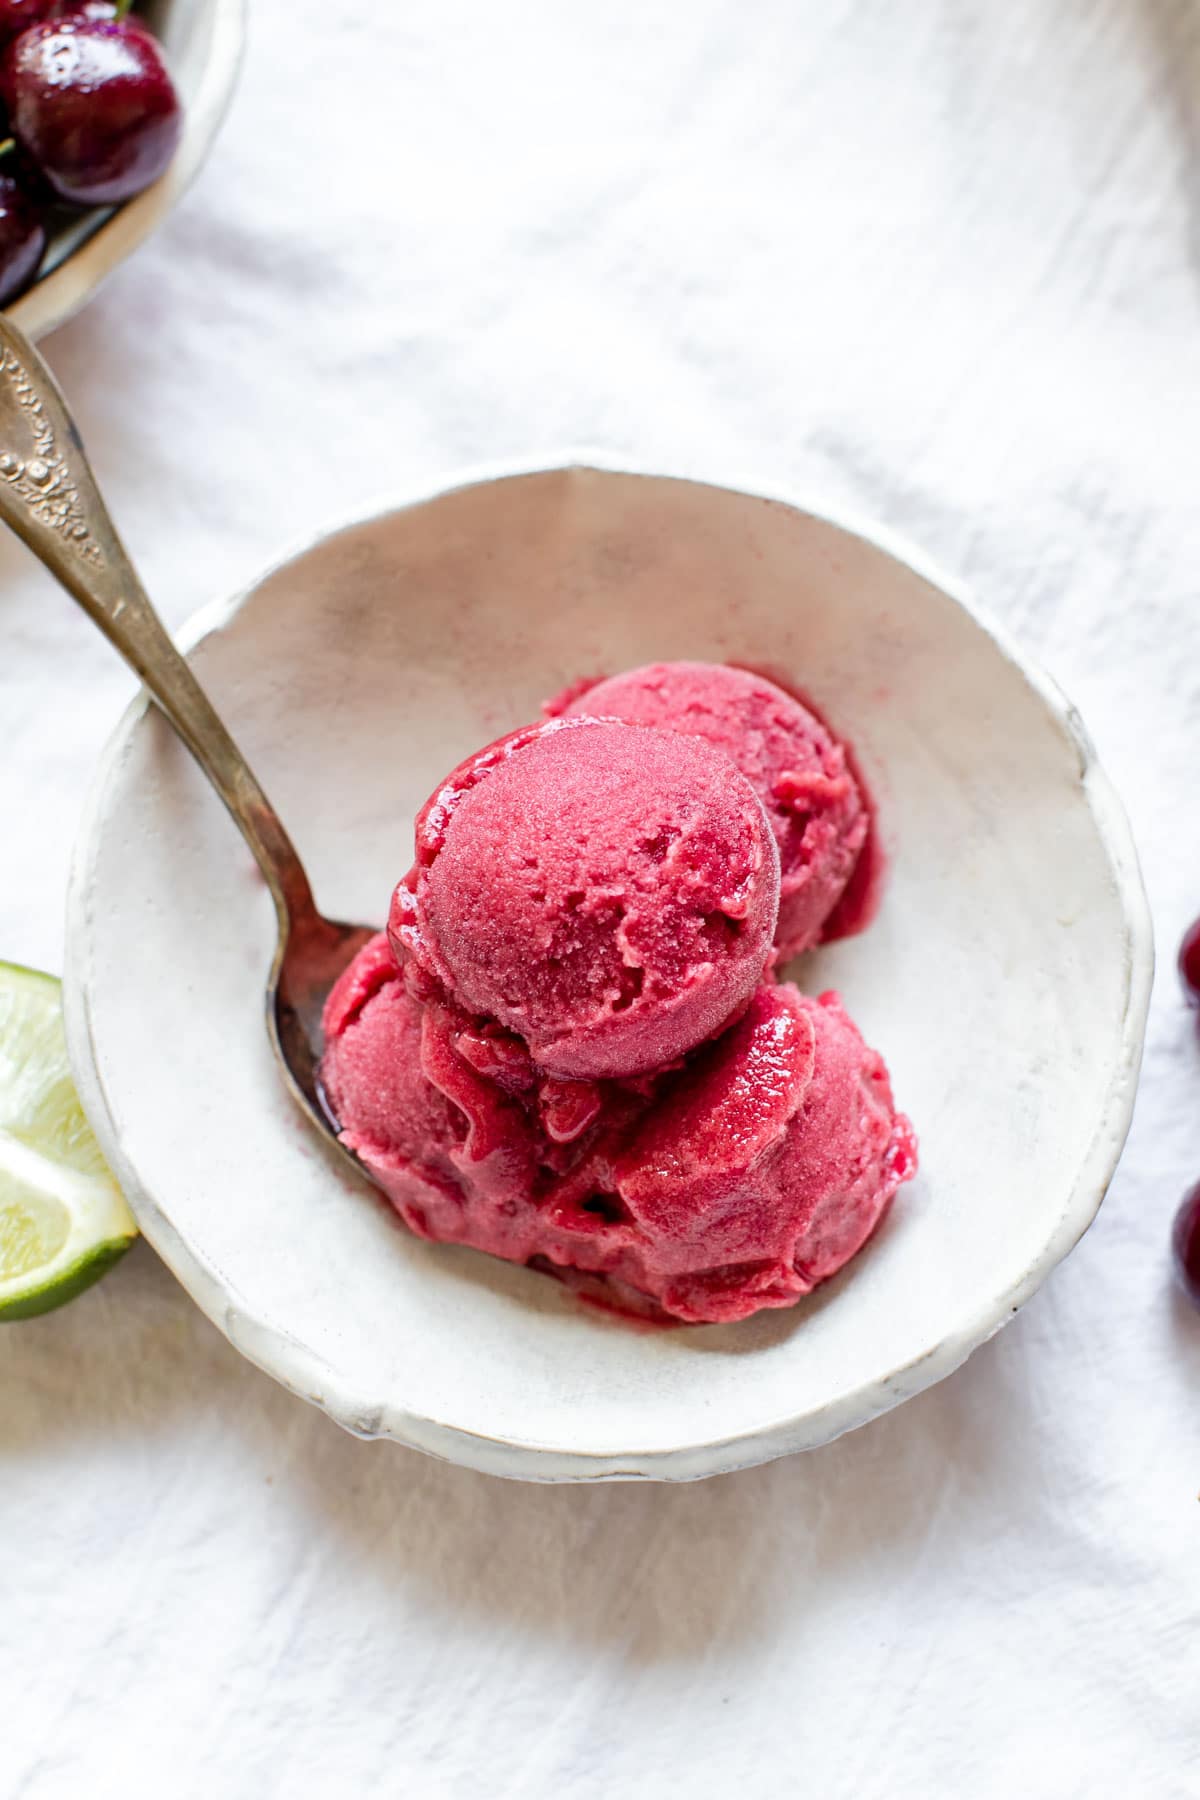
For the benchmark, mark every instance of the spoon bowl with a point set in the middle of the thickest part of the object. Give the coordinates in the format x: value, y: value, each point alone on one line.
x: 314, y: 954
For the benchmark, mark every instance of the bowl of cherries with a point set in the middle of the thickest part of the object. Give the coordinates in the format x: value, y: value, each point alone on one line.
x: 107, y: 109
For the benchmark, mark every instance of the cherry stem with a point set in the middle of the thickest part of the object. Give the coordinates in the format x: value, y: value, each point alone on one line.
x: 123, y: 7
x: 7, y: 145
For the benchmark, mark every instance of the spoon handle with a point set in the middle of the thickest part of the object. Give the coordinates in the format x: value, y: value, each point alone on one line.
x: 49, y: 496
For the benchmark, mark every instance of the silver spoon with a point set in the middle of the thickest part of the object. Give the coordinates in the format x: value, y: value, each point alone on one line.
x: 49, y: 496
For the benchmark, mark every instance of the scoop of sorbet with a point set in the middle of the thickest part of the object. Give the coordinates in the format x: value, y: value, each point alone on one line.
x: 799, y: 771
x: 452, y: 1150
x: 605, y: 891
x: 768, y: 1166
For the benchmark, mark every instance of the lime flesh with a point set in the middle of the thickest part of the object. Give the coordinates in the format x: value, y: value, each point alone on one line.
x: 63, y: 1220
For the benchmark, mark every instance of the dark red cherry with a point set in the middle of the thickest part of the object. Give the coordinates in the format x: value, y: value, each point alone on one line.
x: 90, y: 101
x: 1185, y: 1244
x: 22, y: 238
x: 1189, y: 963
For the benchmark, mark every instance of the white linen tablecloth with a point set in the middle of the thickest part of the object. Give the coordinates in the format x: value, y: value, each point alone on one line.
x: 937, y: 261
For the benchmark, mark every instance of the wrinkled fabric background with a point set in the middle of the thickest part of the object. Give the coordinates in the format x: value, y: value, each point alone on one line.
x: 937, y: 262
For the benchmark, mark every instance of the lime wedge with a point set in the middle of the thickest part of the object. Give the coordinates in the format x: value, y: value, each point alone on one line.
x: 63, y: 1221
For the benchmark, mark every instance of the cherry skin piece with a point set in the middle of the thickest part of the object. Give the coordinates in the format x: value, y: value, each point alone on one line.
x: 1185, y: 1244
x: 18, y: 15
x: 1189, y: 963
x: 22, y: 238
x: 91, y: 102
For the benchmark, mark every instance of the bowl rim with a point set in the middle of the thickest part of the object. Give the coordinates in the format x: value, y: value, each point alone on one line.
x: 54, y: 299
x: 311, y: 1376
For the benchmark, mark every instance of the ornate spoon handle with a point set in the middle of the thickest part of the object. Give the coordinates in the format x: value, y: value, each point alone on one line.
x: 49, y: 496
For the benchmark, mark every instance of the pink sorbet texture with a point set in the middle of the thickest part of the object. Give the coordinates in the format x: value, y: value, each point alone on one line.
x: 571, y: 1050
x: 737, y: 1181
x: 818, y: 813
x: 606, y: 892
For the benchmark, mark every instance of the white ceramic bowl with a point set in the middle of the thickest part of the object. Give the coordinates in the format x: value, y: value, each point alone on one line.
x: 203, y: 44
x: 1006, y: 978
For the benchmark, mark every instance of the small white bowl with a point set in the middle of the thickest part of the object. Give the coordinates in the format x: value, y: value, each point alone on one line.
x: 1006, y: 978
x: 203, y: 44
